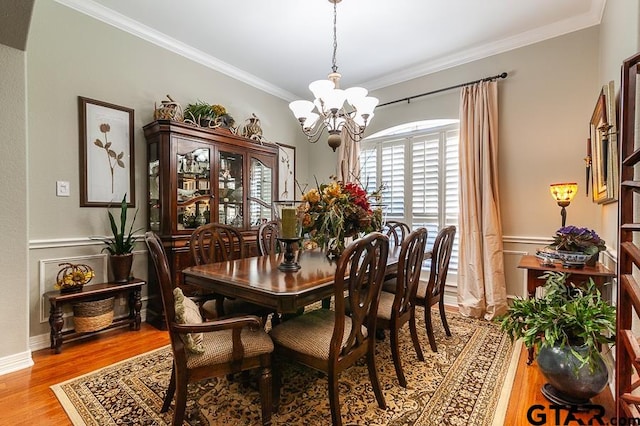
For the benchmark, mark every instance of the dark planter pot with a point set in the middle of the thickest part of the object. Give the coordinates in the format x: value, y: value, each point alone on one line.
x: 121, y: 267
x: 568, y: 383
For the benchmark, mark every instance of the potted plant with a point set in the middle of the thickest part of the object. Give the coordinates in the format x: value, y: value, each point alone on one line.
x: 572, y: 240
x: 120, y: 246
x: 567, y: 327
x: 203, y: 114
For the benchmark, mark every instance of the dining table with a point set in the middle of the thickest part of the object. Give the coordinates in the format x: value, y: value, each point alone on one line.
x: 258, y: 279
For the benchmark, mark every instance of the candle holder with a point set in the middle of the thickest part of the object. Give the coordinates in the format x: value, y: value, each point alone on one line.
x: 289, y: 263
x: 289, y: 215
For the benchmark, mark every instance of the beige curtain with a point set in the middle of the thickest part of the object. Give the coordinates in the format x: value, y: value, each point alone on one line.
x: 481, y: 283
x: 348, y: 167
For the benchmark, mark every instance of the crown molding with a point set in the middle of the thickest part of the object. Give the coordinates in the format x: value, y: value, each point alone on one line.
x: 135, y: 28
x: 592, y: 18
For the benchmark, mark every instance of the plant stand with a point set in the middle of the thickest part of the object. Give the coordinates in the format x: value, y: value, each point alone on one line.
x: 558, y: 398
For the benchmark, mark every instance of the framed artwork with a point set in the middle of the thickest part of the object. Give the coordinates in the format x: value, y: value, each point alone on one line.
x: 286, y: 172
x: 604, y: 147
x: 106, y: 153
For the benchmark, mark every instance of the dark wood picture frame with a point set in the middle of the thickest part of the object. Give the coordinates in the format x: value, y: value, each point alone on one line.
x: 286, y: 172
x: 604, y: 147
x: 106, y: 153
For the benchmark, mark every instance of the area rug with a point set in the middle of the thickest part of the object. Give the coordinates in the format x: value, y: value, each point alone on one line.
x: 467, y: 382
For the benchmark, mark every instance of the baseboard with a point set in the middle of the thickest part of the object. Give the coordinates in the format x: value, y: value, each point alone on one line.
x: 15, y: 362
x: 43, y: 341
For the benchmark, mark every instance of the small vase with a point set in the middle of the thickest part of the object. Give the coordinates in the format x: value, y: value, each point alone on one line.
x: 121, y: 267
x: 592, y: 260
x: 335, y: 247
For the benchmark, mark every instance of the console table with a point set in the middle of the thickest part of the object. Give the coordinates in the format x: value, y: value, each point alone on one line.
x: 600, y: 275
x: 88, y: 293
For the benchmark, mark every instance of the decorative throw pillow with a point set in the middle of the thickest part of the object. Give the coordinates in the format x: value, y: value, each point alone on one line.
x: 187, y: 312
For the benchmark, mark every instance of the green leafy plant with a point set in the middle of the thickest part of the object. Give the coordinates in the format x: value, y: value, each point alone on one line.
x: 201, y: 111
x: 121, y: 243
x: 566, y: 315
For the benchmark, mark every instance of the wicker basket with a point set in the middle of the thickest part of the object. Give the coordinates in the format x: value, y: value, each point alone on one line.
x: 93, y: 316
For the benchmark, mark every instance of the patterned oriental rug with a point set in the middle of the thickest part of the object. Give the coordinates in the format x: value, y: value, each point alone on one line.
x: 467, y: 382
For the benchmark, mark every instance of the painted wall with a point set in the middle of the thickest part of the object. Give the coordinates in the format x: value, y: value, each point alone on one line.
x: 71, y: 55
x: 14, y: 306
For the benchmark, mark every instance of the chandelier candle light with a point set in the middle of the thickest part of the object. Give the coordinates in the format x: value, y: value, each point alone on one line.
x: 335, y: 108
x: 563, y: 193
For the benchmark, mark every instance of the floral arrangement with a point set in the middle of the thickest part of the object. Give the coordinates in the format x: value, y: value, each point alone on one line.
x: 337, y: 210
x: 574, y: 239
x: 72, y: 277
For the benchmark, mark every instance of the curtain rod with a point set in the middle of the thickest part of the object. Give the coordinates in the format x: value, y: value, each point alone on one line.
x: 495, y: 77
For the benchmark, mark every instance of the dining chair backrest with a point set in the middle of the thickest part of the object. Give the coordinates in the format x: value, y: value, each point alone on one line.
x: 163, y: 273
x: 215, y: 242
x: 409, y: 268
x: 268, y: 238
x: 396, y: 231
x: 440, y: 258
x: 360, y: 272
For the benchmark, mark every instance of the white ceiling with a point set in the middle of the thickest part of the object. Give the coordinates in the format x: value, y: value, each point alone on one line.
x: 280, y: 46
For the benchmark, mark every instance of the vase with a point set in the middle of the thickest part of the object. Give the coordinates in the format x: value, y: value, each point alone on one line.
x: 121, y: 267
x: 569, y: 383
x: 335, y: 247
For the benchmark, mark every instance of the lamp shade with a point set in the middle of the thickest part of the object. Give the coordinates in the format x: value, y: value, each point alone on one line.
x: 563, y: 192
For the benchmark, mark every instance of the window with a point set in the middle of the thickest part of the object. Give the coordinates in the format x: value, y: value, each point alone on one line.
x: 418, y: 164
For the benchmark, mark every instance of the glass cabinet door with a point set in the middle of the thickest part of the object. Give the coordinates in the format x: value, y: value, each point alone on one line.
x: 260, y: 192
x: 230, y: 185
x: 193, y: 168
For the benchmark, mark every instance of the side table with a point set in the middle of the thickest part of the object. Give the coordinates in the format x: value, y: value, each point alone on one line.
x: 599, y: 273
x: 93, y: 292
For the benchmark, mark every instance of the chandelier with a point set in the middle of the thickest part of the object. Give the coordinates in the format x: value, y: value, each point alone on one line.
x: 334, y: 109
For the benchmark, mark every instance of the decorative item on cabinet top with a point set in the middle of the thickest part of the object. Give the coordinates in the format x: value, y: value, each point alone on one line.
x: 203, y: 114
x: 252, y: 129
x: 169, y: 110
x: 208, y: 116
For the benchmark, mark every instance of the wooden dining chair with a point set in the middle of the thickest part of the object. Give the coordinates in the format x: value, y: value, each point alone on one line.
x: 215, y: 242
x: 329, y: 340
x: 432, y: 292
x: 396, y: 231
x: 268, y: 238
x: 398, y: 308
x: 208, y: 349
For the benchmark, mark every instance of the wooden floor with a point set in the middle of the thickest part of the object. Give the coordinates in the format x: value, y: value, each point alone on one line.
x: 25, y: 397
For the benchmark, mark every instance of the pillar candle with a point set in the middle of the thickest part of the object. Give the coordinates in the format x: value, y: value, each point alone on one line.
x: 289, y: 222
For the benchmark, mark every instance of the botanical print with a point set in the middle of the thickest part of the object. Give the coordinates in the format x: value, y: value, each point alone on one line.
x: 114, y: 159
x: 107, y: 153
x: 286, y: 178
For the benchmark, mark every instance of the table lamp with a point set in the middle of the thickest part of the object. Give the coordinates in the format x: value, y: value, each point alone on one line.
x: 563, y: 193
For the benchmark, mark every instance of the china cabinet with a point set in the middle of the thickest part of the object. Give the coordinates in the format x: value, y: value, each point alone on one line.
x: 198, y: 176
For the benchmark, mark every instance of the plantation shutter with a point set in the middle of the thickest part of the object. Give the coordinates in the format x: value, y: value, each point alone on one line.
x: 392, y: 173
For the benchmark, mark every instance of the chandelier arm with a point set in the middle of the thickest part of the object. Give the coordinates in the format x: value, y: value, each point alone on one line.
x: 313, y: 134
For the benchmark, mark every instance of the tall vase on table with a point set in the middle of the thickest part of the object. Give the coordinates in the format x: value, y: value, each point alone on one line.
x: 289, y: 215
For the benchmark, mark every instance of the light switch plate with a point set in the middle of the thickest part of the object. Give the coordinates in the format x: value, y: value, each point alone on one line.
x: 62, y: 188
